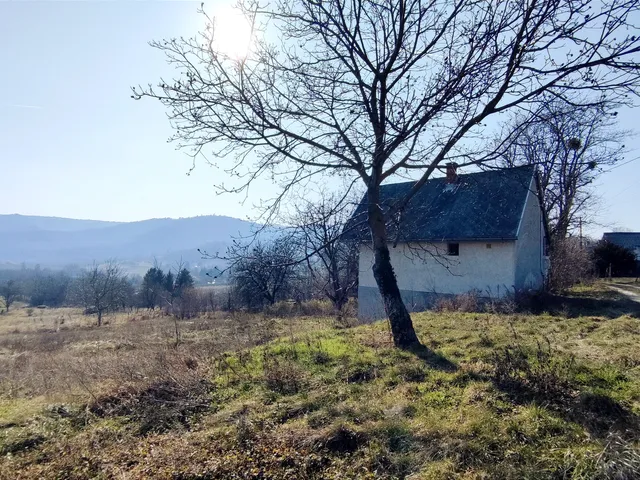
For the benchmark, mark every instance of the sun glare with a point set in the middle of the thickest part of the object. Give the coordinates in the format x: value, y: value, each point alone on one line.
x: 231, y: 33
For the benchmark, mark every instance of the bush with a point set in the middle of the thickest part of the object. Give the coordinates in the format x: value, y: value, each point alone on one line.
x: 469, y: 302
x: 541, y: 374
x: 159, y: 407
x: 311, y: 308
x: 570, y: 264
x: 190, y: 303
x: 282, y: 375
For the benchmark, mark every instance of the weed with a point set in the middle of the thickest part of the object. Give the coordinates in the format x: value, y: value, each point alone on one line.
x: 340, y: 439
x: 542, y: 373
x: 157, y: 408
x: 282, y: 375
x: 359, y: 372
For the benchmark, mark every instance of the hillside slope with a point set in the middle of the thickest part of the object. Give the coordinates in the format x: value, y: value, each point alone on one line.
x: 489, y: 397
x: 50, y: 241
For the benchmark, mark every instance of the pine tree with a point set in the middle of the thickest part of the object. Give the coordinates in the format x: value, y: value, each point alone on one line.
x: 169, y: 285
x: 184, y: 281
x: 152, y: 287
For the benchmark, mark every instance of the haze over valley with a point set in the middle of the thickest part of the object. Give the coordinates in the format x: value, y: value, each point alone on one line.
x: 59, y: 242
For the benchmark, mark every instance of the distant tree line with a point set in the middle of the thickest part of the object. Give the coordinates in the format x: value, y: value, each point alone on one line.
x: 160, y: 289
x: 98, y: 289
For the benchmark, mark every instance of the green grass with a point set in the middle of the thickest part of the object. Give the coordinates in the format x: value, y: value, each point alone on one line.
x: 490, y: 396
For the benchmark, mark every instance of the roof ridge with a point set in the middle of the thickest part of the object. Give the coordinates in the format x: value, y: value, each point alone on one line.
x: 482, y: 172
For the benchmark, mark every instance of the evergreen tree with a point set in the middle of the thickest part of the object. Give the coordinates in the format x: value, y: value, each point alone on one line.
x: 153, y: 284
x: 184, y: 281
x: 169, y: 285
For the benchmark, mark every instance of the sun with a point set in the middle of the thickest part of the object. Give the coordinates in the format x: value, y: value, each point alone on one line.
x: 232, y: 34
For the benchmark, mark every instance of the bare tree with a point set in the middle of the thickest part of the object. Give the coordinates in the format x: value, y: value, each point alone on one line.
x: 263, y: 272
x: 364, y: 90
x: 571, y: 145
x: 570, y: 264
x: 101, y: 289
x: 10, y: 291
x: 331, y: 260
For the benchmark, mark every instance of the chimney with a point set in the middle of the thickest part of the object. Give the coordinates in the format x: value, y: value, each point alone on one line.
x: 452, y: 172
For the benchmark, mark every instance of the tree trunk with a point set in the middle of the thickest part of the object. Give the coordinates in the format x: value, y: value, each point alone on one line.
x: 99, y: 318
x: 404, y: 335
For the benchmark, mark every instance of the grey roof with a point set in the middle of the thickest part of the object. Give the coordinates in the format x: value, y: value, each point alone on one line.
x: 479, y: 206
x: 629, y: 240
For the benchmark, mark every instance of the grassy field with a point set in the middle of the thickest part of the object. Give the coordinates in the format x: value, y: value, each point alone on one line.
x: 489, y: 396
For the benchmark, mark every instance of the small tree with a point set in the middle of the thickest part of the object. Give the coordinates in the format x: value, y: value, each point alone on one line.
x: 102, y: 289
x: 331, y: 260
x: 153, y: 285
x: 169, y: 285
x: 184, y: 281
x: 10, y: 291
x: 571, y: 263
x: 263, y: 272
x: 614, y: 259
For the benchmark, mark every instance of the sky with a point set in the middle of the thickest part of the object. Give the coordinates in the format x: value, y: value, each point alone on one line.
x: 74, y: 144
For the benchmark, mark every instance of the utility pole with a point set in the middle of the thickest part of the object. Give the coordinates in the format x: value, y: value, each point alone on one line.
x: 580, y: 219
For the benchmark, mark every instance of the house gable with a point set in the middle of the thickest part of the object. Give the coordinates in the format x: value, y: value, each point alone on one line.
x: 530, y: 264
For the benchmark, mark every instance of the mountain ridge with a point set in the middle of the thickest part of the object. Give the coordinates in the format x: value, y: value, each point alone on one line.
x: 60, y: 241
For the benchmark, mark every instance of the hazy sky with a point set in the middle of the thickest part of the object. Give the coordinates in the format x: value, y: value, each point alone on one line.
x: 74, y: 144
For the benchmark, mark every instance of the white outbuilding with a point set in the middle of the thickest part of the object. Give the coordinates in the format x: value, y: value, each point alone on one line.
x: 483, y: 232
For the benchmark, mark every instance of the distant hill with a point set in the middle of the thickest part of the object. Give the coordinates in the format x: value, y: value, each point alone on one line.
x: 57, y: 242
x: 26, y: 223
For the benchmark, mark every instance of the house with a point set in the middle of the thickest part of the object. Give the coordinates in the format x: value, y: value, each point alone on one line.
x: 482, y: 232
x: 629, y: 240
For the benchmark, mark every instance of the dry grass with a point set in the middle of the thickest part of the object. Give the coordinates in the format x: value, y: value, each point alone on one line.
x: 490, y: 396
x: 62, y: 355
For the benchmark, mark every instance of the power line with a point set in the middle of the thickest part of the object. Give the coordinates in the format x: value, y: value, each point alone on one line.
x: 617, y: 165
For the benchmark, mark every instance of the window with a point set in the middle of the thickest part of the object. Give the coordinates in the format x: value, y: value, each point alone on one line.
x: 453, y: 249
x: 488, y: 245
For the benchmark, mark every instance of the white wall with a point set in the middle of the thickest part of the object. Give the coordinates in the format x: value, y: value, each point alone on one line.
x: 530, y: 262
x: 490, y: 270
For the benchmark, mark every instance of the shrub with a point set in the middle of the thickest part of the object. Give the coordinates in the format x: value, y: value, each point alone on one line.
x: 161, y: 406
x: 570, y: 264
x: 469, y: 302
x: 541, y: 373
x: 310, y: 308
x: 282, y: 375
x: 317, y: 308
x: 280, y: 309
